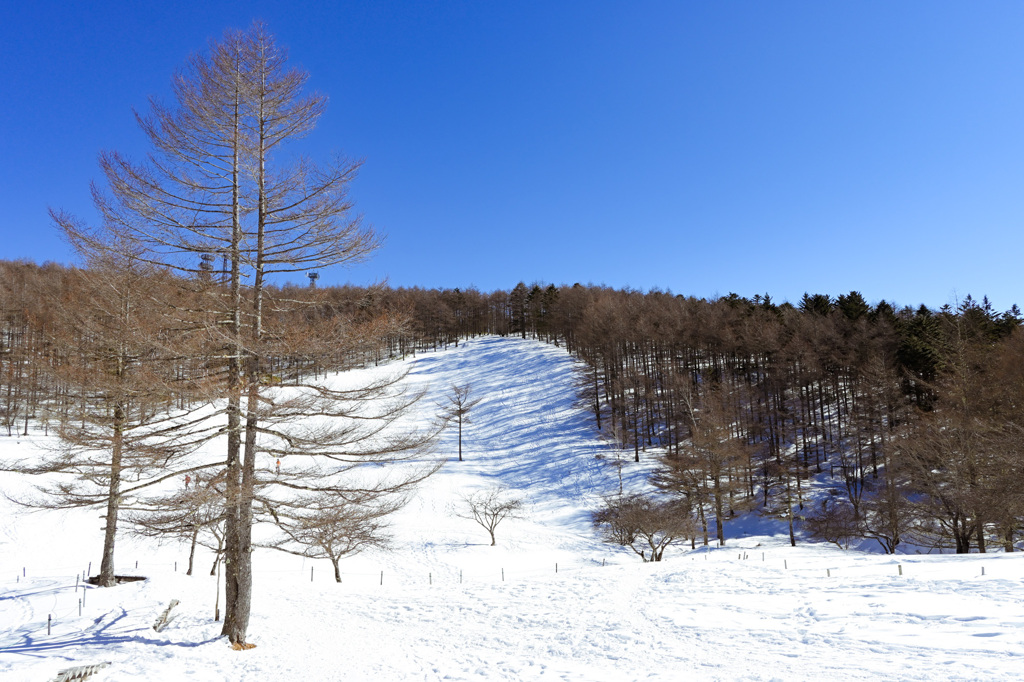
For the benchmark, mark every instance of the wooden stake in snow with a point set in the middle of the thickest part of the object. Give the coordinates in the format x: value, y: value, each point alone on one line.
x: 80, y: 673
x: 310, y: 574
x: 165, y: 617
x: 382, y: 577
x: 900, y: 566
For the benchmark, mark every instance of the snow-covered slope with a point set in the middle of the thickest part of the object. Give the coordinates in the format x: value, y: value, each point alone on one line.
x: 550, y: 602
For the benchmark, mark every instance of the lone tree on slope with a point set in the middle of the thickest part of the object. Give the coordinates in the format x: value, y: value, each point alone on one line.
x: 490, y: 507
x: 458, y: 407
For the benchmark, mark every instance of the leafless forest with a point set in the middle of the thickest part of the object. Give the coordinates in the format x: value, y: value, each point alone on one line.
x: 912, y: 415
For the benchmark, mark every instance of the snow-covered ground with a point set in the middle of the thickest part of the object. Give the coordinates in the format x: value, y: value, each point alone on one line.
x: 550, y: 602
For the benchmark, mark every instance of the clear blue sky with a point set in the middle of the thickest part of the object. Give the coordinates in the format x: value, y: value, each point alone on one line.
x: 700, y: 147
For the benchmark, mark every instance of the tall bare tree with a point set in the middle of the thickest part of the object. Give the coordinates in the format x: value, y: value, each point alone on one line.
x: 119, y: 437
x: 215, y: 183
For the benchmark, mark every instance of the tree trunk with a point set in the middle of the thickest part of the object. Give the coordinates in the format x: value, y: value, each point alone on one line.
x: 107, y: 577
x: 719, y: 525
x: 192, y: 550
x: 236, y: 590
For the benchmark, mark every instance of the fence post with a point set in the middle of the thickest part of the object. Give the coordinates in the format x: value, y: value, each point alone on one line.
x: 900, y: 566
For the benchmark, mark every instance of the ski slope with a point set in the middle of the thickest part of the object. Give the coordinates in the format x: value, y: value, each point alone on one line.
x: 550, y: 602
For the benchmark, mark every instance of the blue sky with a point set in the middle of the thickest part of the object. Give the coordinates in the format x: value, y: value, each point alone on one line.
x: 698, y: 147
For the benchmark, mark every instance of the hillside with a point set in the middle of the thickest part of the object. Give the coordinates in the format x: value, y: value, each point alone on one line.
x: 443, y: 604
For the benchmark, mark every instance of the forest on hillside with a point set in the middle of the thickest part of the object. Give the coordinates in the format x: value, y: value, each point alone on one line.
x: 912, y: 415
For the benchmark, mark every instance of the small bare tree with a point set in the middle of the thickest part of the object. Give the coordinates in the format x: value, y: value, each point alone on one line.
x: 490, y: 507
x: 643, y: 524
x: 194, y: 514
x: 458, y: 407
x: 836, y: 522
x: 332, y: 527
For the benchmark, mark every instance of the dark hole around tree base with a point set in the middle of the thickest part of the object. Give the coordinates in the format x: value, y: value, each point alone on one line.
x: 95, y: 579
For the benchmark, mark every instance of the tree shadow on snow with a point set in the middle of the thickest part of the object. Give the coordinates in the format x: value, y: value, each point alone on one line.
x: 102, y: 633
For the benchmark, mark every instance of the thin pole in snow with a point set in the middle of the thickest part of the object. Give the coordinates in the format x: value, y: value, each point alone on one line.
x: 503, y: 575
x: 556, y: 567
x: 900, y: 566
x: 430, y: 578
x: 382, y: 577
x: 310, y: 574
x: 79, y: 608
x: 785, y: 564
x: 49, y: 618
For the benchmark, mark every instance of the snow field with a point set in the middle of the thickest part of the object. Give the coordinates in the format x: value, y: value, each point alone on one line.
x: 806, y: 613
